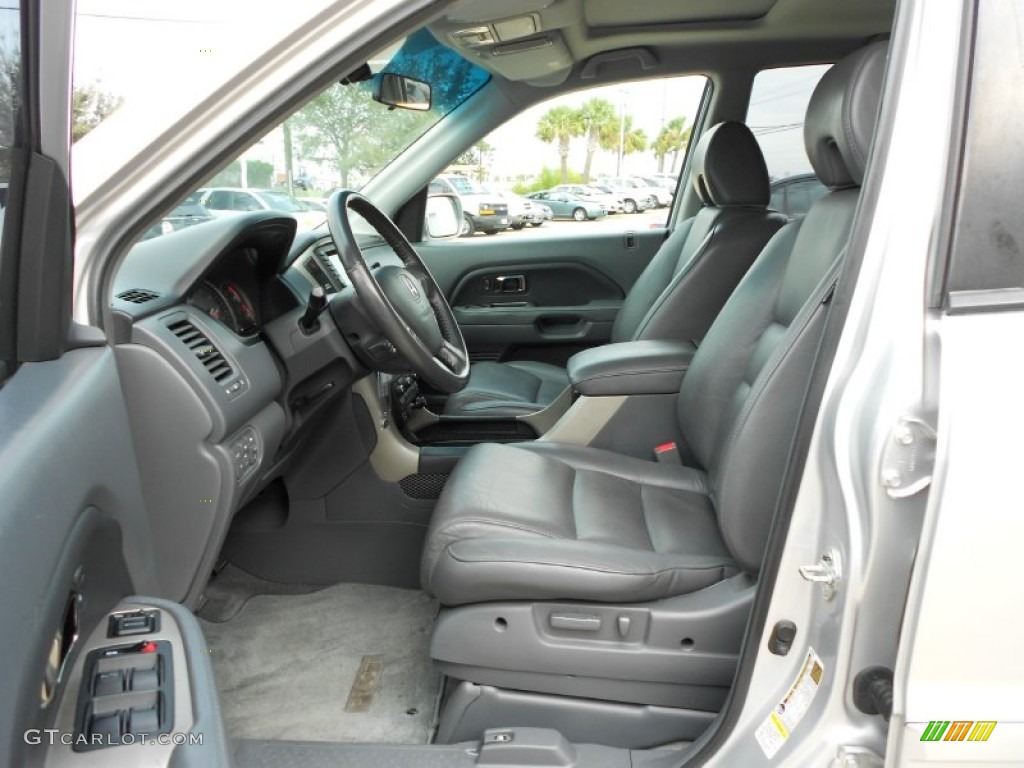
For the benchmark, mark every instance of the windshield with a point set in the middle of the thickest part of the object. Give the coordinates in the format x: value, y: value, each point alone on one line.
x: 339, y: 139
x: 279, y: 201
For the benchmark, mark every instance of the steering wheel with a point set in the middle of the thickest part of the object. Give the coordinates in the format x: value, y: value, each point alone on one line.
x: 404, y: 302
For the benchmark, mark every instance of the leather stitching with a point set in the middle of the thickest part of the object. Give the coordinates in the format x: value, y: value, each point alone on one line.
x: 722, y: 566
x: 447, y: 528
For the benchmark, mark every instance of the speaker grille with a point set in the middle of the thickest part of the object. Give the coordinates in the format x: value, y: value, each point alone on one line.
x: 423, y: 486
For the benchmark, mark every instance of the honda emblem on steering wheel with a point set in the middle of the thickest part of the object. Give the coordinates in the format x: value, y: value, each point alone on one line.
x: 411, y: 285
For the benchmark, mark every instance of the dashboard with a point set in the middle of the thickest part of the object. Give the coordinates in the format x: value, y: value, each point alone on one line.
x: 227, y: 294
x: 223, y: 387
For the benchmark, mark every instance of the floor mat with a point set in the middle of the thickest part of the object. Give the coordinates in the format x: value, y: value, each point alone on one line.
x: 232, y: 588
x: 346, y: 663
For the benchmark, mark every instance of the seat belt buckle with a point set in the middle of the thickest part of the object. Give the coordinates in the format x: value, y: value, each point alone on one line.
x: 667, y: 453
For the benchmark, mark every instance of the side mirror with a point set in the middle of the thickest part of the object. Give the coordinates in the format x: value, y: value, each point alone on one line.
x: 444, y: 216
x: 401, y: 91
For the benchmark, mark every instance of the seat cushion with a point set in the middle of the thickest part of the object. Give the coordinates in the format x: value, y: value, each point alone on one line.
x: 508, y: 389
x: 545, y: 521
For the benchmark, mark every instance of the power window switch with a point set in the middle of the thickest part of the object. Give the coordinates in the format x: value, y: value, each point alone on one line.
x: 108, y: 683
x: 145, y: 679
x: 143, y: 720
x: 106, y: 727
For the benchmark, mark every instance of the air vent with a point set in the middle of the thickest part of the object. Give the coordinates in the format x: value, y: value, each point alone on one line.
x: 208, y: 355
x: 325, y: 253
x: 137, y: 295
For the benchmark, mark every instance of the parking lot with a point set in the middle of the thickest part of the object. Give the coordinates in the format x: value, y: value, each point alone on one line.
x: 617, y: 222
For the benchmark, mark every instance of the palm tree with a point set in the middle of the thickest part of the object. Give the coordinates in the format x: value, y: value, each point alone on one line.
x: 560, y: 124
x: 596, y: 115
x: 633, y: 139
x: 673, y: 138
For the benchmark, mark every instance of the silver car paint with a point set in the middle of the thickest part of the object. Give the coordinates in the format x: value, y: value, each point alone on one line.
x: 879, y: 375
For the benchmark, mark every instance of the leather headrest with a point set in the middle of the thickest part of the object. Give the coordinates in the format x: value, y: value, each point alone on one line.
x: 728, y: 167
x: 841, y: 117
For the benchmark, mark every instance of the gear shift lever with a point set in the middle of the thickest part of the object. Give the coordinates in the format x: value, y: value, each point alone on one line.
x: 317, y: 304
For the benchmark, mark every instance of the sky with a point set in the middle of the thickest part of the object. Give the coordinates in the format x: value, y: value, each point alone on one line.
x: 133, y: 47
x: 140, y: 49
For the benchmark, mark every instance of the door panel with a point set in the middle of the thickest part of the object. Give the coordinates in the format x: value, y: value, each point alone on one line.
x: 73, y: 530
x: 539, y: 297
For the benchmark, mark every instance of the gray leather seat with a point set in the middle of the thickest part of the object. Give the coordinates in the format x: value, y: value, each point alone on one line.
x: 547, y: 521
x: 679, y: 293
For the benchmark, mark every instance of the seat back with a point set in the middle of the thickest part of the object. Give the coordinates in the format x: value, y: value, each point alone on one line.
x: 680, y: 292
x: 740, y: 399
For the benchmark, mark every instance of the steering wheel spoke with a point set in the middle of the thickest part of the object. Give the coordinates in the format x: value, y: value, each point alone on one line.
x: 454, y: 359
x: 404, y: 302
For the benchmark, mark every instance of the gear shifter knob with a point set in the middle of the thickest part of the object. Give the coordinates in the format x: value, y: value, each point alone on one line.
x: 317, y: 304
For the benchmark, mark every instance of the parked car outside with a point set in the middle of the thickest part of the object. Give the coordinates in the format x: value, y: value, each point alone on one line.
x: 521, y: 210
x: 564, y: 205
x: 794, y: 195
x: 611, y: 202
x: 481, y: 211
x: 543, y: 213
x: 186, y: 214
x: 222, y: 201
x: 633, y: 200
x: 312, y: 204
x: 662, y: 182
x: 662, y: 197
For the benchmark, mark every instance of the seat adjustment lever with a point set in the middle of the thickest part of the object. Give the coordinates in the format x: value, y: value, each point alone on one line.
x: 576, y: 622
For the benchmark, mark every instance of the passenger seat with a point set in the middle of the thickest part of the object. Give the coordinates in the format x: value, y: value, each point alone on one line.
x: 679, y: 294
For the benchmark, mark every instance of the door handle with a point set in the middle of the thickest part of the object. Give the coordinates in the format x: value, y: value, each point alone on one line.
x: 510, y: 284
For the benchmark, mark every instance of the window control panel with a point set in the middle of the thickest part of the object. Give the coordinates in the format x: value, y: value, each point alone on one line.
x: 127, y: 690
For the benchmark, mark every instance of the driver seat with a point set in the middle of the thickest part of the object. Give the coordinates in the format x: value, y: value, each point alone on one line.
x: 680, y: 291
x: 544, y: 521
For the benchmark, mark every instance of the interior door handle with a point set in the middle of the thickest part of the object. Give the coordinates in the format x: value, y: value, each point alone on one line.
x: 510, y: 284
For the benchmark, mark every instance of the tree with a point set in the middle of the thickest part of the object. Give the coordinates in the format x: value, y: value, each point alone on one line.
x: 90, y: 106
x: 596, y: 116
x: 633, y: 139
x: 259, y: 173
x: 10, y: 99
x: 229, y: 176
x: 476, y: 155
x: 673, y: 138
x: 560, y: 124
x: 342, y: 126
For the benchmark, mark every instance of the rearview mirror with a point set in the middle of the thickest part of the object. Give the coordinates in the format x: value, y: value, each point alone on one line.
x: 401, y: 91
x: 444, y: 216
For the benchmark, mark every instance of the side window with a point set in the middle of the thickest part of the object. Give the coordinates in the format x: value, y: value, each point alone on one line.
x: 778, y: 104
x: 778, y: 201
x: 436, y: 188
x: 811, y: 190
x: 10, y: 94
x: 608, y: 135
x: 10, y: 137
x: 986, y: 269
